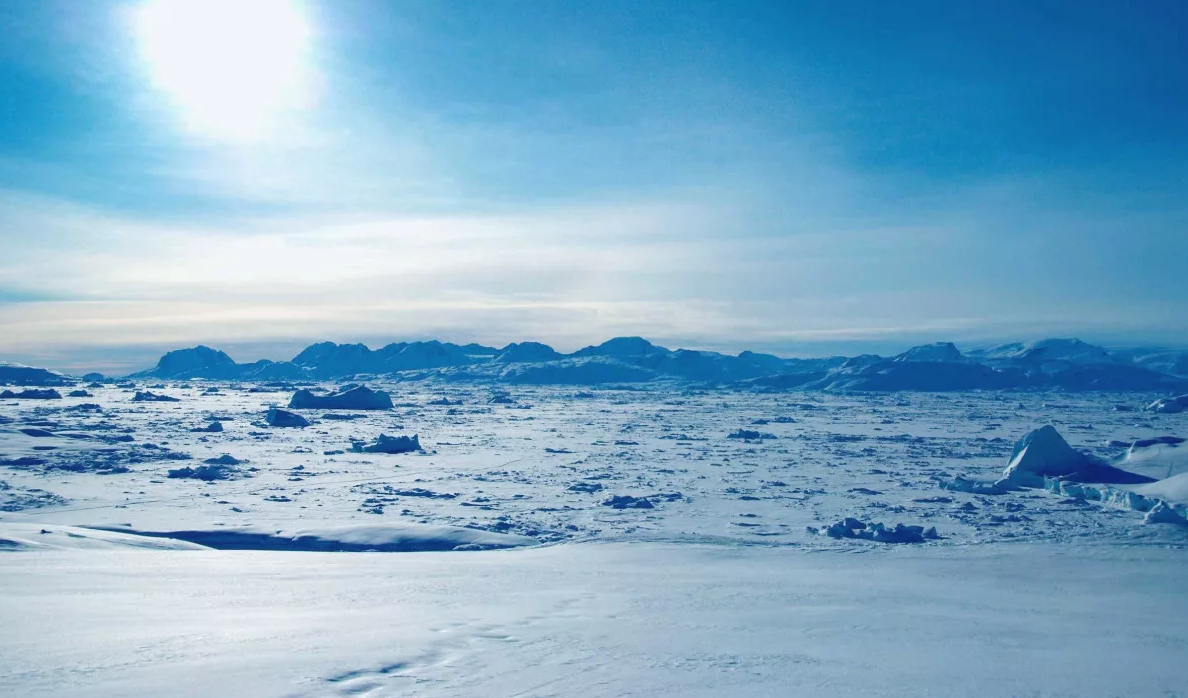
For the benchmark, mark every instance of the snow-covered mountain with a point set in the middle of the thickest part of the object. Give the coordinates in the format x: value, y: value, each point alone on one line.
x: 1044, y: 350
x: 939, y: 351
x: 527, y: 351
x: 1064, y: 364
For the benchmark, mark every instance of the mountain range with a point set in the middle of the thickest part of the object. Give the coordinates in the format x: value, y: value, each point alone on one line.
x: 1067, y: 364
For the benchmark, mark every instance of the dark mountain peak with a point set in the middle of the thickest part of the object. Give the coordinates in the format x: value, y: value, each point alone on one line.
x: 527, y: 352
x: 937, y: 351
x: 181, y: 362
x: 623, y: 347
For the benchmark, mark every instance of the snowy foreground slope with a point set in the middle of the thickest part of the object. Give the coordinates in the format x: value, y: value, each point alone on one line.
x: 549, y: 541
x: 598, y: 620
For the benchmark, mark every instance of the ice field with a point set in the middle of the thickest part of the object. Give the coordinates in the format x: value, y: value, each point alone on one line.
x: 616, y: 540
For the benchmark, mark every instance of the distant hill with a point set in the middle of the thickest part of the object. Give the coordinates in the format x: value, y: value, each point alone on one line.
x: 17, y: 374
x: 204, y: 362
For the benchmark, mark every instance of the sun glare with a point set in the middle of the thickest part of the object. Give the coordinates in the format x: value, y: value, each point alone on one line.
x: 233, y: 68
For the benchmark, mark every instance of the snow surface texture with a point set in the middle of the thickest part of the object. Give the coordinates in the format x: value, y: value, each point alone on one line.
x: 601, y: 621
x: 657, y: 541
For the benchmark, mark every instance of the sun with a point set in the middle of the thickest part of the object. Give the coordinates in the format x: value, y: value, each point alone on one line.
x: 232, y: 68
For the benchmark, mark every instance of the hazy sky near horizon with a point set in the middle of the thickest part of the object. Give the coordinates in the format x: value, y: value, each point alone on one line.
x: 769, y: 175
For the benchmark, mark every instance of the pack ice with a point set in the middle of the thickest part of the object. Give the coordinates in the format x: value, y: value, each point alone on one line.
x: 437, y: 519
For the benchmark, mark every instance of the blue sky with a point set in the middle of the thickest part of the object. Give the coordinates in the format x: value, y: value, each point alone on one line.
x: 800, y: 177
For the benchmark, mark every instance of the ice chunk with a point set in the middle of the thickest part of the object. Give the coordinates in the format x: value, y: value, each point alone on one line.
x: 962, y: 483
x: 217, y: 471
x: 880, y: 533
x: 588, y: 487
x: 750, y: 435
x: 284, y: 418
x: 626, y: 501
x: 389, y: 444
x: 1169, y: 405
x: 357, y: 398
x: 149, y: 396
x: 1163, y: 513
x: 1044, y: 453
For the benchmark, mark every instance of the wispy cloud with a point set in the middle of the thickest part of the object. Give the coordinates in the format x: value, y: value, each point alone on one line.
x: 555, y: 177
x: 703, y: 273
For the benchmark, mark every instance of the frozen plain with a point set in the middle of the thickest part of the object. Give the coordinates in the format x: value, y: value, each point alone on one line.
x: 716, y: 589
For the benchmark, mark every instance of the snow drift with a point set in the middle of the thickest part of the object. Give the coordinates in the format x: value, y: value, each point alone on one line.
x: 28, y: 536
x: 384, y: 538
